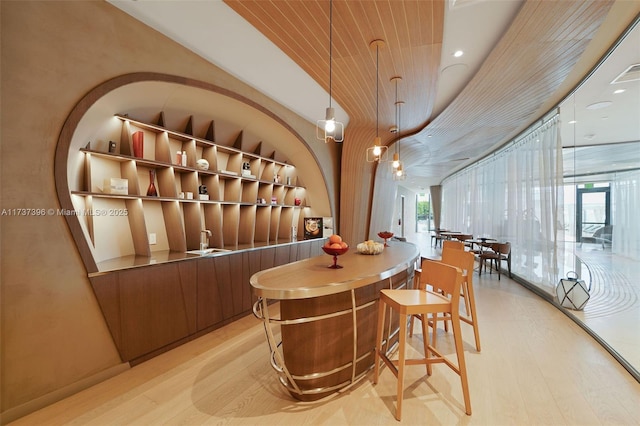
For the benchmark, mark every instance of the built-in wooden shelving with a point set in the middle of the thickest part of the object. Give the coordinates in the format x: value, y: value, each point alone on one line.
x: 259, y: 207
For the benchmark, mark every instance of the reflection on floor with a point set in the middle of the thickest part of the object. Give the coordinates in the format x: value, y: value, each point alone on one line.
x: 613, y: 310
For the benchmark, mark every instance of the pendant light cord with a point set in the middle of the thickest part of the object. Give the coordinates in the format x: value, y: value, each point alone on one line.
x: 330, y: 45
x: 377, y: 84
x: 397, y: 119
x: 399, y: 139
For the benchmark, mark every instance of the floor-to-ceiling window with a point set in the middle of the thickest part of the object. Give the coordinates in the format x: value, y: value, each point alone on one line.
x: 584, y: 218
x: 514, y: 196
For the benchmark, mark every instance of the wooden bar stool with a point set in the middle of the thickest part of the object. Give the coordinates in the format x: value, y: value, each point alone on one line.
x: 459, y: 245
x: 465, y: 261
x: 443, y: 278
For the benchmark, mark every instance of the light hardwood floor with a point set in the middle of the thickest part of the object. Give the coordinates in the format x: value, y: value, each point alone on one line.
x: 537, y: 367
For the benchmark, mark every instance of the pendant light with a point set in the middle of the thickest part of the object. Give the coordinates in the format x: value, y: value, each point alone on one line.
x: 329, y: 128
x: 399, y: 173
x: 395, y: 163
x: 377, y: 152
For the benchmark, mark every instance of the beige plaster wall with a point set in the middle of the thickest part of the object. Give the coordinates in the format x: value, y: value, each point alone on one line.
x: 53, y: 336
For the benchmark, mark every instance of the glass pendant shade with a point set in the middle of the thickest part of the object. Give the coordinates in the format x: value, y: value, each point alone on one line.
x: 330, y: 129
x: 330, y: 126
x: 396, y: 164
x: 396, y: 160
x: 399, y: 173
x: 377, y: 152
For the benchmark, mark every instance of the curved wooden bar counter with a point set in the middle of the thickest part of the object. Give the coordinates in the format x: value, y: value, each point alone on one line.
x: 327, y: 316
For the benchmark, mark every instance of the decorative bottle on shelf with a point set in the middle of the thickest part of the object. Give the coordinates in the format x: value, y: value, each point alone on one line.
x: 151, y: 190
x: 138, y: 144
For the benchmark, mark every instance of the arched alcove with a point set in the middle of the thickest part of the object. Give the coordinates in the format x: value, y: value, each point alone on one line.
x: 208, y: 115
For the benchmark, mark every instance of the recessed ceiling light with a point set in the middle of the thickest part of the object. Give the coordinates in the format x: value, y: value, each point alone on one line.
x: 458, y: 53
x: 618, y: 91
x: 599, y: 105
x: 573, y: 122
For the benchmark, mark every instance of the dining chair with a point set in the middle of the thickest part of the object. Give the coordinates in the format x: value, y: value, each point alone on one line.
x: 437, y: 238
x: 442, y: 300
x: 497, y: 253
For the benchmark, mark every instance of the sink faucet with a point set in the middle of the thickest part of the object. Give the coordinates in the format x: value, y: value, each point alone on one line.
x: 205, y: 234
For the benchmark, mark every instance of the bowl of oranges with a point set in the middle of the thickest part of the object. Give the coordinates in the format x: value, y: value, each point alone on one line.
x: 335, y: 247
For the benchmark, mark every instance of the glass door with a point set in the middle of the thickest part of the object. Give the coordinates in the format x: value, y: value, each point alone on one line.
x: 593, y: 210
x: 424, y: 216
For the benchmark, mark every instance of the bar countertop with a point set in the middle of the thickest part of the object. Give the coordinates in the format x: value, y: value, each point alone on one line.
x: 312, y: 277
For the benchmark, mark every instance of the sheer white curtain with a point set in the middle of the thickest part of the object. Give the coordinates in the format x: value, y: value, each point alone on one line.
x: 625, y: 205
x: 515, y: 195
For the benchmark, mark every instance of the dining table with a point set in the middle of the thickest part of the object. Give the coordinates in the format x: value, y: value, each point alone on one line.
x: 482, y: 243
x: 450, y: 234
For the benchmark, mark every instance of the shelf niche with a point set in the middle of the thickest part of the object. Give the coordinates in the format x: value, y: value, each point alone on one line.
x: 241, y: 210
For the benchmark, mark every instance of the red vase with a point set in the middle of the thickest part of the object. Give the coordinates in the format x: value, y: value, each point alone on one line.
x: 138, y: 144
x: 151, y: 191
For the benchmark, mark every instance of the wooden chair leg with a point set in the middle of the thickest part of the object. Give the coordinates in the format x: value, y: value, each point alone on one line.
x: 472, y: 311
x: 425, y: 342
x: 376, y: 357
x: 411, y: 326
x: 401, y: 361
x: 465, y: 295
x: 434, y: 335
x: 462, y: 366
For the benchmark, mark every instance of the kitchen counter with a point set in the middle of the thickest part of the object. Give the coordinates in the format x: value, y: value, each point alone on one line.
x: 326, y: 317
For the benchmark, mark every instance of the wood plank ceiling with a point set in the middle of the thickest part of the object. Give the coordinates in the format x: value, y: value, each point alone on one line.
x: 412, y: 32
x: 526, y: 67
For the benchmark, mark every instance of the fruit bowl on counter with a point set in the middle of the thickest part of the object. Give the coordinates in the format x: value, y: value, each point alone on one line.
x: 335, y: 251
x: 335, y: 247
x: 370, y: 247
x: 385, y: 235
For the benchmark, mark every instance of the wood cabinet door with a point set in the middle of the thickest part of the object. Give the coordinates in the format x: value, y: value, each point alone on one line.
x: 223, y: 290
x: 148, y: 308
x: 209, y: 298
